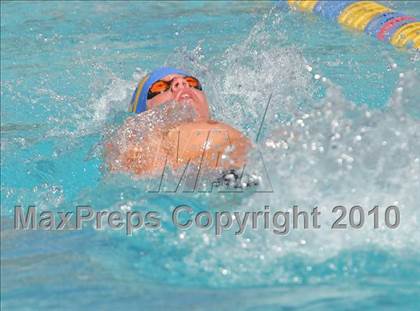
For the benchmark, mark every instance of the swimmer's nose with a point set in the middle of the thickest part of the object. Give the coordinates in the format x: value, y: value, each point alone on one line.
x: 179, y: 84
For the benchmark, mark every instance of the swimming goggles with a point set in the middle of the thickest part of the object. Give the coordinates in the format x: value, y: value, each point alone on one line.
x: 161, y: 86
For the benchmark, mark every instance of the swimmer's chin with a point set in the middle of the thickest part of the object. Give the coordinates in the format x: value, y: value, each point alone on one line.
x: 185, y: 105
x: 183, y: 102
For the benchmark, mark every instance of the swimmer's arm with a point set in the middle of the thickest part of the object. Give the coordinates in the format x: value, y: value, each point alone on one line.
x: 114, y: 146
x: 140, y: 156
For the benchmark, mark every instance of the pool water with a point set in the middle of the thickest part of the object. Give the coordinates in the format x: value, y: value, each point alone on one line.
x: 342, y: 128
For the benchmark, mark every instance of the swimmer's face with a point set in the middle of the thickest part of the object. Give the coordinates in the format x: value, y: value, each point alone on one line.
x: 181, y: 91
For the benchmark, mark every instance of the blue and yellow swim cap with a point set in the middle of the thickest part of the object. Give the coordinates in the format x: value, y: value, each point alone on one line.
x: 139, y: 98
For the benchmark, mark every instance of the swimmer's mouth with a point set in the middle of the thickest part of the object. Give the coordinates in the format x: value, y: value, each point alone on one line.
x: 185, y: 96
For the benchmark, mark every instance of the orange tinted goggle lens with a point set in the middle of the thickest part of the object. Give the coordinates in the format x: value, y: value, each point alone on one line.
x: 193, y: 82
x: 160, y: 86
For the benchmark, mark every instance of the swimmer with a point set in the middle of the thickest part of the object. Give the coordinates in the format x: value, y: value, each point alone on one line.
x: 173, y: 127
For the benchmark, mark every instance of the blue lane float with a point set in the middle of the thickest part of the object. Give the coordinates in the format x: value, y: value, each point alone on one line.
x: 375, y: 26
x: 331, y: 9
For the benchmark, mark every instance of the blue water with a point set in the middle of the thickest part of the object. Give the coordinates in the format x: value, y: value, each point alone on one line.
x: 342, y: 128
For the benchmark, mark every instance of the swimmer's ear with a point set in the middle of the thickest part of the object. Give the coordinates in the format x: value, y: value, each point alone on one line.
x: 147, y: 105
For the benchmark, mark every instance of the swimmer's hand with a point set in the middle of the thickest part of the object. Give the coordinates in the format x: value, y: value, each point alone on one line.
x: 135, y: 145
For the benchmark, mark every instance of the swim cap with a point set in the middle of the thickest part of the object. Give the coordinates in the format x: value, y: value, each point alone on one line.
x: 139, y: 98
